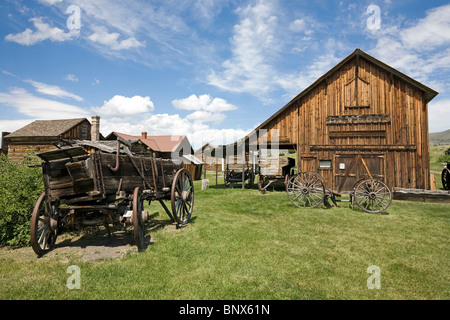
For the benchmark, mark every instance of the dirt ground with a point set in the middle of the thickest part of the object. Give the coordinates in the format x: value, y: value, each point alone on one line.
x: 84, y: 245
x: 92, y: 243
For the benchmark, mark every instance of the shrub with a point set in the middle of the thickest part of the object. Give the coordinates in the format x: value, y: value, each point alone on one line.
x: 444, y: 158
x: 20, y: 186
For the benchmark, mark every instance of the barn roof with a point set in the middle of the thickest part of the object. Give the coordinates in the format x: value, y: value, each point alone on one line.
x: 46, y: 128
x: 428, y: 92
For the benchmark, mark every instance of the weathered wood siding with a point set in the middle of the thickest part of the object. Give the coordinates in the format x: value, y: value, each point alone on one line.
x: 386, y: 116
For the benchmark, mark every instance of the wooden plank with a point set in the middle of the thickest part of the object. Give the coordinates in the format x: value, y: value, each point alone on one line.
x: 363, y: 147
x: 358, y: 133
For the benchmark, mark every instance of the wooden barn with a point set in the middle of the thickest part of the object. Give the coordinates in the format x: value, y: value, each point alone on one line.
x: 361, y: 118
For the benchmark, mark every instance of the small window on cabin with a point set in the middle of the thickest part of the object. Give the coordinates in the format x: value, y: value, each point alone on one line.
x: 84, y: 132
x: 324, y: 164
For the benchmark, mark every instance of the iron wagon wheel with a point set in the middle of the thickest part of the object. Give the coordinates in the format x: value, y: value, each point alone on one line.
x: 138, y: 218
x: 372, y: 196
x: 445, y: 179
x: 44, y: 225
x: 182, y: 197
x: 306, y: 189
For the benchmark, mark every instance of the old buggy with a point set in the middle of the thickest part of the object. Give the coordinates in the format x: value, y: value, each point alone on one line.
x: 106, y: 182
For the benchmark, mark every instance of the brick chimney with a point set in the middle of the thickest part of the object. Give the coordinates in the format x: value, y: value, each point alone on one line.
x: 95, y: 128
x: 144, y: 135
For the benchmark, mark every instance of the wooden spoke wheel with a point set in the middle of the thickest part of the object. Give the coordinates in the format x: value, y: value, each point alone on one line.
x: 372, y: 196
x: 446, y: 179
x: 182, y: 197
x: 138, y: 218
x: 44, y: 225
x: 306, y: 189
x: 262, y: 183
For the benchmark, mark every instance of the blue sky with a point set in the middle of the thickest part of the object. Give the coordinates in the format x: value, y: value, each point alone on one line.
x: 213, y: 70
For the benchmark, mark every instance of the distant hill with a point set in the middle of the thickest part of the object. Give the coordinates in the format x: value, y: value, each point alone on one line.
x: 440, y: 138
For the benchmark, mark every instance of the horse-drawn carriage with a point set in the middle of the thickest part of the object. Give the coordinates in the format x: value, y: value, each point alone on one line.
x: 107, y: 182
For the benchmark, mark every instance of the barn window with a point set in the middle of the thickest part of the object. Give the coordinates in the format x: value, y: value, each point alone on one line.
x: 324, y: 164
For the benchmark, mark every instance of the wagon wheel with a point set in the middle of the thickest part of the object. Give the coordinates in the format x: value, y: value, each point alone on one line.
x: 44, y: 225
x: 182, y: 197
x: 372, y: 195
x: 306, y: 189
x: 138, y: 218
x: 262, y: 183
x: 446, y: 179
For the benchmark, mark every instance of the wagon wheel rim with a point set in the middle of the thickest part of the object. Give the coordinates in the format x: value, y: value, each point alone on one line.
x: 372, y: 196
x: 445, y: 179
x: 138, y: 220
x: 44, y: 226
x: 182, y: 197
x: 306, y: 189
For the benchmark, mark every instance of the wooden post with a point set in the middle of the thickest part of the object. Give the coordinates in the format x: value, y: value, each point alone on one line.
x: 216, y: 171
x: 206, y: 162
x: 243, y: 166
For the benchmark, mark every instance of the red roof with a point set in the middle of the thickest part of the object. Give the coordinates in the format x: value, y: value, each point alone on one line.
x: 156, y: 143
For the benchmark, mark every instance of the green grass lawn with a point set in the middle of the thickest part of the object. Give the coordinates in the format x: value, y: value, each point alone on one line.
x: 243, y: 245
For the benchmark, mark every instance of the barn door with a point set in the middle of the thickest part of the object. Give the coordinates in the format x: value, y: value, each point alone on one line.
x: 349, y: 168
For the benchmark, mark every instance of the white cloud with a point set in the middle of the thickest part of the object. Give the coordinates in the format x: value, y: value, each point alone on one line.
x: 124, y: 106
x: 110, y: 40
x: 438, y: 115
x: 53, y: 90
x: 43, y: 32
x: 206, y: 108
x: 197, y: 132
x: 253, y: 43
x: 429, y: 32
x: 418, y: 50
x: 205, y: 116
x: 50, y: 2
x: 37, y: 107
x: 203, y: 102
x: 71, y: 77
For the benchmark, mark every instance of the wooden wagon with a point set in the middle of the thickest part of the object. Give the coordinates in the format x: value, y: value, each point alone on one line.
x: 103, y: 183
x: 307, y: 189
x: 236, y: 168
x: 274, y: 169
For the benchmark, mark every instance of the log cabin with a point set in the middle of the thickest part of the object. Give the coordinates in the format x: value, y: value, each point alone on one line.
x: 45, y: 135
x: 361, y: 118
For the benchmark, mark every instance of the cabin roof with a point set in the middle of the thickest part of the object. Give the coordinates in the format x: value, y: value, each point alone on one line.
x: 46, y: 128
